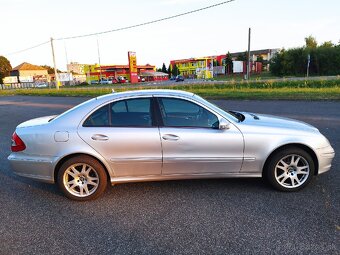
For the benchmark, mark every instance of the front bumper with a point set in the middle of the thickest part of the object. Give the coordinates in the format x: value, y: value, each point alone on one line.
x: 325, y: 156
x: 35, y: 167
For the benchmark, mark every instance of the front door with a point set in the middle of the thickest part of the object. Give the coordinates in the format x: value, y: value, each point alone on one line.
x: 192, y: 142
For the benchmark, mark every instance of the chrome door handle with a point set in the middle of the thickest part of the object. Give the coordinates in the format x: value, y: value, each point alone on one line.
x: 99, y: 137
x: 170, y: 137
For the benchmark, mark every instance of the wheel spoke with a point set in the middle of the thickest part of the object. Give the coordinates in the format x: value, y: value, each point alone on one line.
x: 283, y: 163
x: 284, y: 179
x: 292, y: 160
x: 297, y: 161
x: 75, y: 170
x: 300, y: 170
x: 72, y: 184
x: 292, y: 180
x: 281, y: 167
x: 81, y: 189
x: 282, y: 175
x: 86, y: 189
x: 83, y: 170
x: 297, y: 180
x: 90, y: 182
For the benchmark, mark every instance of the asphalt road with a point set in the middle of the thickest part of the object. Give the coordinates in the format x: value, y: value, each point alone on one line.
x: 222, y: 216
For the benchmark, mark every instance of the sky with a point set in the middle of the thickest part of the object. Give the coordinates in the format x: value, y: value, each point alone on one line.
x: 274, y: 24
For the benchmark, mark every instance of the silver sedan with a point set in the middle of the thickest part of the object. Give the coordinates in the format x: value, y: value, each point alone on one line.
x: 154, y: 135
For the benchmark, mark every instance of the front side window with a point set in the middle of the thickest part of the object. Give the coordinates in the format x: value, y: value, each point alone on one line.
x: 181, y: 113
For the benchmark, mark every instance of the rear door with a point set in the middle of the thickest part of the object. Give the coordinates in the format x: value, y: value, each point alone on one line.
x: 125, y: 134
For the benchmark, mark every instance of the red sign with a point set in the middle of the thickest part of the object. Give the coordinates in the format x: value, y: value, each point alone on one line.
x: 133, y: 67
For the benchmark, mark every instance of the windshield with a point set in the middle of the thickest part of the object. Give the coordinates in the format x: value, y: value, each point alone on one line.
x: 228, y: 114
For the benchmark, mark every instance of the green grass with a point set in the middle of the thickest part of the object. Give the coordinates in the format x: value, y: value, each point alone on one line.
x: 291, y: 90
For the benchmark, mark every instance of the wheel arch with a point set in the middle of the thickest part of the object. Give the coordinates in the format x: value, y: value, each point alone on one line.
x: 67, y: 157
x: 298, y: 145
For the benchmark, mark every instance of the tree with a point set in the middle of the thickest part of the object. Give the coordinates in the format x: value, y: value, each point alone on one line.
x: 311, y: 42
x: 164, y: 68
x: 324, y: 59
x: 242, y: 57
x: 175, y: 71
x: 327, y: 44
x: 169, y: 69
x: 5, y: 68
x: 228, y: 63
x: 159, y: 69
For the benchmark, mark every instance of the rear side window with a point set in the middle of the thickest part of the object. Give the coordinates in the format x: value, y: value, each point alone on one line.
x: 99, y: 118
x: 124, y: 113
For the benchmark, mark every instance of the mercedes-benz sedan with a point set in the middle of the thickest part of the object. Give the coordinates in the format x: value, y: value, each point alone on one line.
x: 154, y: 135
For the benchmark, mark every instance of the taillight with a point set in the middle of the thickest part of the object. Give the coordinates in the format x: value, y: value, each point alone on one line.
x: 17, y: 143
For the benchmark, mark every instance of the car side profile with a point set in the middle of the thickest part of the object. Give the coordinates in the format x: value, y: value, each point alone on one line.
x: 154, y: 135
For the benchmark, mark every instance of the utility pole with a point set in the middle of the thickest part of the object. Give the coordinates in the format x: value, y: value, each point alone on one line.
x: 248, y: 63
x: 308, y: 63
x: 100, y: 68
x: 55, y: 67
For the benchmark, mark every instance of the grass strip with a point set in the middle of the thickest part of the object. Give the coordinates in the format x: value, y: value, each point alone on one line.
x: 207, y: 91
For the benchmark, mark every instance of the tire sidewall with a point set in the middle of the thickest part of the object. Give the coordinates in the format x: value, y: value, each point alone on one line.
x: 91, y: 162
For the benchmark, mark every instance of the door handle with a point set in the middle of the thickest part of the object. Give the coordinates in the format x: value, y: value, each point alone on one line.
x: 170, y: 137
x: 99, y: 137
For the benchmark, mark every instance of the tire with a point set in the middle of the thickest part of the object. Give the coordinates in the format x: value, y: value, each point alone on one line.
x: 290, y: 169
x: 82, y: 178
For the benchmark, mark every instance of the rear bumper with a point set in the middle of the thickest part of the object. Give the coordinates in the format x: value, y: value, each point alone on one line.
x: 325, y: 156
x: 35, y: 167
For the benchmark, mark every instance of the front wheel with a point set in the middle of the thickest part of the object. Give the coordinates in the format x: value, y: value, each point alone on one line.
x: 290, y: 169
x: 82, y: 178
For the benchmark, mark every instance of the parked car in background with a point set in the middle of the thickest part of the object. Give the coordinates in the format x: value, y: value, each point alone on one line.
x: 121, y: 79
x: 153, y: 135
x: 141, y: 79
x: 179, y: 78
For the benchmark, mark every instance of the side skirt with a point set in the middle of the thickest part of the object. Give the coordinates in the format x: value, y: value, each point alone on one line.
x: 127, y: 179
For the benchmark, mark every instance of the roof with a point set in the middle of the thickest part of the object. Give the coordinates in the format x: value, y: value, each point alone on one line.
x: 146, y: 92
x: 28, y: 67
x: 123, y: 67
x: 148, y: 73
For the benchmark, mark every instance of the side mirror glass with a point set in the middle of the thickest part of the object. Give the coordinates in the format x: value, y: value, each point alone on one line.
x: 224, y: 124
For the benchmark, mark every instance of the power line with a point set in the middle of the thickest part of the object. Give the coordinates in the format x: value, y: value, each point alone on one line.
x: 26, y: 49
x: 123, y: 28
x: 146, y: 23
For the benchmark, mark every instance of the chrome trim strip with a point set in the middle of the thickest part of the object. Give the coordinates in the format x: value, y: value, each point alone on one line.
x: 11, y: 158
x: 146, y: 159
x: 249, y: 159
x: 196, y: 159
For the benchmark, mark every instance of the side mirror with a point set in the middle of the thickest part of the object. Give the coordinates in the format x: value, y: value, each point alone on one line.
x: 224, y: 124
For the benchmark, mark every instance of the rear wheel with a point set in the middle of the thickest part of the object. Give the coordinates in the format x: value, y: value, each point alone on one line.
x: 290, y: 169
x: 82, y: 178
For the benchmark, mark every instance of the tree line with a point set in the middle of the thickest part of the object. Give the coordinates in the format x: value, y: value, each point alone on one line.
x: 324, y: 59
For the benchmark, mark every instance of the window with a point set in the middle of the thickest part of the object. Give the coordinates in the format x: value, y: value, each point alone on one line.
x: 131, y: 112
x: 124, y: 113
x: 99, y: 118
x: 182, y: 113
